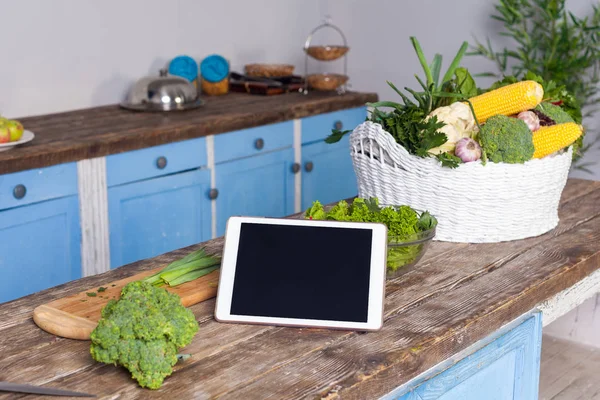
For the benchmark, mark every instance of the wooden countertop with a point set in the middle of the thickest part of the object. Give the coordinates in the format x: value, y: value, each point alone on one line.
x: 457, y: 295
x: 100, y: 131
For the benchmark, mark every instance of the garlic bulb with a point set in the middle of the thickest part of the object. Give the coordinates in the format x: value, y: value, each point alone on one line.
x: 467, y: 150
x: 531, y: 119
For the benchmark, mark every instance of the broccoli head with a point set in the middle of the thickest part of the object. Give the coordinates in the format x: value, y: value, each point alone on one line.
x: 555, y: 113
x: 505, y: 139
x: 142, y: 332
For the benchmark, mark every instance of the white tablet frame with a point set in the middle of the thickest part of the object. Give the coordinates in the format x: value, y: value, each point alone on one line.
x: 376, y: 284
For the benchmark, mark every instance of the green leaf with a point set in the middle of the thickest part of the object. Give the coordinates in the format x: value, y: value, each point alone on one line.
x: 456, y: 62
x: 373, y: 205
x: 486, y: 75
x: 385, y: 104
x: 448, y: 160
x: 422, y: 59
x: 406, y: 100
x: 336, y: 136
x: 435, y: 68
x: 426, y: 221
x: 465, y: 82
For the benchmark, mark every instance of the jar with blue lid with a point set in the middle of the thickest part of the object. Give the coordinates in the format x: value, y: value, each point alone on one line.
x: 214, y: 71
x: 185, y: 67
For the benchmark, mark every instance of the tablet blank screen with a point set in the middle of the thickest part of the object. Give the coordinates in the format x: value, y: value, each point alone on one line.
x: 302, y: 272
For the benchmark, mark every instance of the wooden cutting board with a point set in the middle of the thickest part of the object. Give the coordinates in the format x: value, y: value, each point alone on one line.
x: 76, y: 316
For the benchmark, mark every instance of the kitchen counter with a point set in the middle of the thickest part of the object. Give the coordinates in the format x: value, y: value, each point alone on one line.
x: 456, y: 296
x: 101, y: 131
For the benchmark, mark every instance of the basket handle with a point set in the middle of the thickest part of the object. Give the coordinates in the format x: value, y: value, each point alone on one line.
x: 370, y: 139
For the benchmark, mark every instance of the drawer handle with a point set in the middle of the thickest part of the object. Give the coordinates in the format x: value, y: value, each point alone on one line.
x: 19, y: 191
x: 161, y: 162
x: 213, y: 194
x: 259, y: 144
x: 309, y: 166
x: 295, y: 168
x: 338, y: 125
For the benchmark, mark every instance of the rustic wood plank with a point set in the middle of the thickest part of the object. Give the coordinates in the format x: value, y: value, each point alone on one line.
x: 100, y: 131
x: 280, y: 369
x: 11, y: 313
x: 76, y: 316
x: 369, y: 365
x: 444, y: 305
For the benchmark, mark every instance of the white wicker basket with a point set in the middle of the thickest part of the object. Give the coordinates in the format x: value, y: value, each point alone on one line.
x: 473, y: 203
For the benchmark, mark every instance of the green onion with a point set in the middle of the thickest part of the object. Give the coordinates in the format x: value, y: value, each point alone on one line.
x: 190, y: 267
x: 190, y: 276
x: 153, y: 279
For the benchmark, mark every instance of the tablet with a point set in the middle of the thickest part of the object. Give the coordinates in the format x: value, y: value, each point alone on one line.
x: 307, y: 273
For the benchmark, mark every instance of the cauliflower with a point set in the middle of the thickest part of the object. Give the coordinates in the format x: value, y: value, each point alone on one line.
x: 460, y: 123
x: 142, y: 332
x: 506, y: 139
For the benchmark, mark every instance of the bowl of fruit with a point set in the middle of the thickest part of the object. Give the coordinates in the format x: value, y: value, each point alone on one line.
x: 12, y: 134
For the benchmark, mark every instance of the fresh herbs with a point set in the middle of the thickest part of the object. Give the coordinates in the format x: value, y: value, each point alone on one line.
x: 409, y: 122
x: 189, y: 268
x: 404, y: 225
x: 410, y: 129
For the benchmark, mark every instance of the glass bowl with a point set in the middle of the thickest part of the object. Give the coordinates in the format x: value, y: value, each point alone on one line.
x: 405, y: 251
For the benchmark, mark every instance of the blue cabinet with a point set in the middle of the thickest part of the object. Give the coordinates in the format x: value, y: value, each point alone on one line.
x: 154, y: 216
x: 158, y: 197
x: 318, y: 127
x: 40, y: 247
x: 327, y: 174
x: 261, y: 186
x: 40, y: 237
x: 327, y: 171
x: 505, y: 369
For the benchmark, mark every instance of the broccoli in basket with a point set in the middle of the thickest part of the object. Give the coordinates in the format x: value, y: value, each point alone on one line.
x: 505, y: 139
x: 142, y: 332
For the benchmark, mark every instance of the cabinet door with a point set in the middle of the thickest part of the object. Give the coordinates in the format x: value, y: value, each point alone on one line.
x: 259, y: 186
x: 155, y: 216
x: 506, y: 369
x: 40, y: 247
x: 327, y: 173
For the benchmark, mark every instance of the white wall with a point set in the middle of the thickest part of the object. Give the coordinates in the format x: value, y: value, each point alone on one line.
x: 580, y: 325
x: 67, y: 54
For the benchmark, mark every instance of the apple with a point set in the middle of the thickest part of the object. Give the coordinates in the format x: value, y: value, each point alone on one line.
x: 4, y: 133
x: 16, y: 130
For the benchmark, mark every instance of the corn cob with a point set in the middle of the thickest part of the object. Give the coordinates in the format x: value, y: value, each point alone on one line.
x: 549, y: 139
x: 507, y: 100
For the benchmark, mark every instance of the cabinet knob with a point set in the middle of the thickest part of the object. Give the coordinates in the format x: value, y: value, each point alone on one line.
x: 161, y: 162
x: 213, y: 194
x: 19, y: 191
x: 259, y: 144
x: 338, y: 125
x: 309, y: 166
x: 295, y: 168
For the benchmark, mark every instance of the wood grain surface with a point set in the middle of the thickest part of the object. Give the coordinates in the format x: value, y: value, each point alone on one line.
x: 100, y: 131
x: 76, y: 316
x: 457, y: 295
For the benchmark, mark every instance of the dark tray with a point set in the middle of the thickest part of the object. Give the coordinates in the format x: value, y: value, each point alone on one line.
x: 265, y: 86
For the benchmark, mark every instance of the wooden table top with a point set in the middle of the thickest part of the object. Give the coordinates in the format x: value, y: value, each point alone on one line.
x: 457, y: 295
x: 100, y: 131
